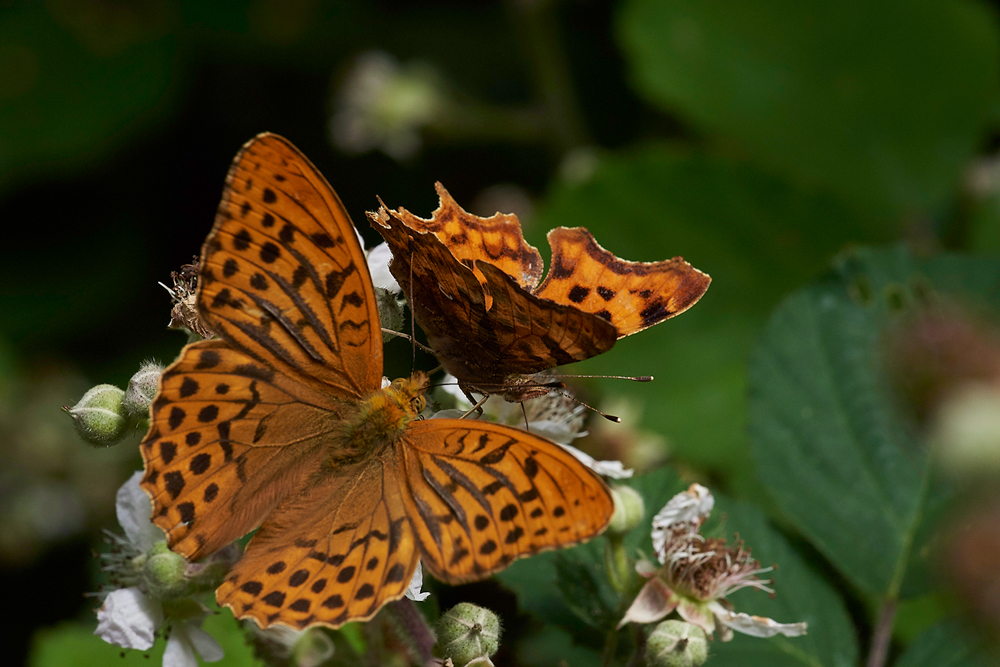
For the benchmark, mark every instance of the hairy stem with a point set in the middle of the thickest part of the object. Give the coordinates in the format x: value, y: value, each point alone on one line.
x: 413, y: 629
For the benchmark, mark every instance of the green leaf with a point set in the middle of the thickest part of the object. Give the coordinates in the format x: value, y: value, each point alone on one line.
x: 75, y: 645
x: 758, y: 239
x: 880, y: 103
x: 946, y: 644
x: 828, y: 439
x: 552, y: 646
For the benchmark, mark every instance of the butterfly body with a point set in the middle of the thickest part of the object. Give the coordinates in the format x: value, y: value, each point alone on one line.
x: 281, y: 423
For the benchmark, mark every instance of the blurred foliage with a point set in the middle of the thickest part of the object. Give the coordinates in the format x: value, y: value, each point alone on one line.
x: 774, y: 144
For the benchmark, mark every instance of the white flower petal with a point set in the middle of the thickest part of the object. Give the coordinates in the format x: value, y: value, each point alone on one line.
x: 378, y: 265
x: 613, y: 469
x: 756, y: 626
x: 449, y: 385
x: 179, y: 651
x: 560, y: 432
x: 413, y: 590
x: 697, y: 613
x: 204, y: 643
x: 385, y: 382
x: 129, y: 619
x: 653, y: 602
x: 134, y: 512
x: 692, y: 506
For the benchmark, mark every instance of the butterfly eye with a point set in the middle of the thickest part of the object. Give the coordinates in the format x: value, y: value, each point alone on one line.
x: 419, y: 403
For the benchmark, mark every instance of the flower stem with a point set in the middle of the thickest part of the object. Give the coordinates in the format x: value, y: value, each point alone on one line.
x: 882, y: 635
x: 413, y: 629
x: 616, y: 563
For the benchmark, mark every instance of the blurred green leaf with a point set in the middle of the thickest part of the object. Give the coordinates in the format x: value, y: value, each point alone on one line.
x: 829, y: 442
x: 756, y: 236
x: 579, y: 584
x: 76, y: 78
x: 946, y: 644
x: 879, y: 103
x: 552, y: 646
x: 75, y: 645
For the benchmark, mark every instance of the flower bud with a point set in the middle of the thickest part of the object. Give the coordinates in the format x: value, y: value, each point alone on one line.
x: 390, y: 311
x: 208, y: 574
x: 467, y: 632
x: 629, y: 510
x: 163, y: 575
x: 676, y: 644
x: 98, y: 416
x: 142, y: 390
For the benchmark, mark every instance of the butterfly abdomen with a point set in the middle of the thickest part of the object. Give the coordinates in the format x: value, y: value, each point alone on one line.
x: 380, y: 421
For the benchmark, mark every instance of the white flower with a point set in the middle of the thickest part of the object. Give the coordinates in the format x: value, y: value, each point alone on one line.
x: 413, y: 590
x: 130, y: 617
x: 555, y: 416
x: 385, y: 105
x: 378, y: 265
x: 697, y: 574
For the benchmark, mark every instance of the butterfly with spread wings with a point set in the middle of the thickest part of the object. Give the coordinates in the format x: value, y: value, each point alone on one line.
x: 282, y: 422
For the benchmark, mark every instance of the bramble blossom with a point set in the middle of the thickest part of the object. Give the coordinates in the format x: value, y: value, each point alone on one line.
x: 697, y: 574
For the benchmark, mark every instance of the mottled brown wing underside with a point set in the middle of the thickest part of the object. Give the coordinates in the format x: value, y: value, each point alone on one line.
x: 481, y: 495
x: 520, y: 334
x: 283, y: 277
x: 631, y: 295
x: 340, y: 564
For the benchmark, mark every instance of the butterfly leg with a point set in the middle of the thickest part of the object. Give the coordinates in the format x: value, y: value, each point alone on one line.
x: 477, y: 405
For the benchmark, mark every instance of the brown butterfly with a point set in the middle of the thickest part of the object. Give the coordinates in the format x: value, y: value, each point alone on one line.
x: 473, y: 283
x: 282, y: 422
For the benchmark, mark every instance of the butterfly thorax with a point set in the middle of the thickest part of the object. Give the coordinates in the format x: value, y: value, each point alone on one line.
x: 380, y: 420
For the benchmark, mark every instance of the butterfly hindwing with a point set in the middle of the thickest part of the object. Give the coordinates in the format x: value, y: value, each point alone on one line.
x: 482, y: 494
x: 337, y: 552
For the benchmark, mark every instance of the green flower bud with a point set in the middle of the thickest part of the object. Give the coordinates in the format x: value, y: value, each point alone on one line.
x: 676, y: 644
x: 98, y: 416
x: 142, y: 390
x: 390, y: 311
x: 629, y: 510
x: 164, y: 574
x: 467, y: 632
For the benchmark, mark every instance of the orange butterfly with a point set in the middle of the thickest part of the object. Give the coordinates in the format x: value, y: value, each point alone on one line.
x: 281, y: 422
x: 476, y: 294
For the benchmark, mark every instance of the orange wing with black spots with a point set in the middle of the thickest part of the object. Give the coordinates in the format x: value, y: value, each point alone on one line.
x: 281, y: 422
x: 473, y: 286
x: 631, y: 295
x: 481, y: 495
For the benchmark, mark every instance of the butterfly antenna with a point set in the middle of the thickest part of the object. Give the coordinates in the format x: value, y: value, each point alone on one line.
x: 413, y: 320
x: 634, y: 378
x: 610, y: 418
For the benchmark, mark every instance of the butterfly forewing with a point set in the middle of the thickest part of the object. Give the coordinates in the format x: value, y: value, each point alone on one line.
x: 283, y: 277
x: 229, y: 439
x: 631, y: 295
x: 481, y: 495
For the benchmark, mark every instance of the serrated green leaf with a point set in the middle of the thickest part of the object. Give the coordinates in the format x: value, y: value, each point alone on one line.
x: 828, y: 439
